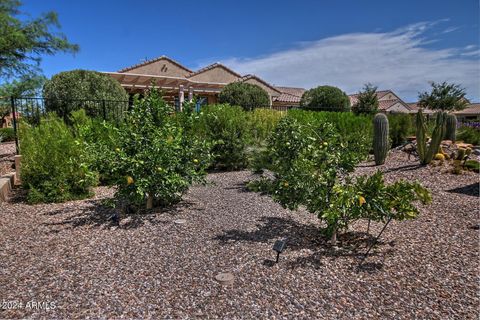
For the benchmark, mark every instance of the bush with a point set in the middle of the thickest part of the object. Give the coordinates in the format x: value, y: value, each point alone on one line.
x: 469, y: 135
x: 311, y: 166
x: 261, y: 123
x: 64, y: 88
x: 356, y: 131
x: 55, y: 165
x: 156, y: 159
x: 100, y: 139
x: 401, y: 126
x: 7, y: 134
x: 246, y: 95
x: 325, y: 98
x: 226, y: 129
x: 367, y: 101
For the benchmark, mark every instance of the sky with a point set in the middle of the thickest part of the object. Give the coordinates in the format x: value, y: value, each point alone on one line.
x: 398, y: 45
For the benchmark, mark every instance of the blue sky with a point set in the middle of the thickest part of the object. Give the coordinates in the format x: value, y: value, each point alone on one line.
x: 399, y: 45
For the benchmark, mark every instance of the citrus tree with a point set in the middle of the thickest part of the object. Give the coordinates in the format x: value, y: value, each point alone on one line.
x: 156, y: 159
x: 311, y: 166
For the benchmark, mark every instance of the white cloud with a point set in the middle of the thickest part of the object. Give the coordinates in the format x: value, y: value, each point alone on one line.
x: 397, y: 60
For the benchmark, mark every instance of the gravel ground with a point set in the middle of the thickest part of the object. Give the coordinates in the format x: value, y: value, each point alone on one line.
x: 69, y: 257
x: 7, y: 151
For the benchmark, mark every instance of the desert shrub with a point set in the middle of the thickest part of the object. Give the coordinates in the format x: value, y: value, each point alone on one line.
x: 55, y: 165
x: 225, y: 127
x: 246, y: 95
x: 469, y: 135
x: 261, y: 123
x: 401, y: 126
x: 325, y: 98
x: 355, y: 130
x: 311, y: 166
x: 156, y: 160
x: 7, y: 134
x: 367, y: 101
x: 100, y: 138
x: 106, y: 97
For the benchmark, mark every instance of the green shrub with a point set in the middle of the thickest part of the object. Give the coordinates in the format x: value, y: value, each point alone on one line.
x: 226, y: 129
x: 156, y: 160
x: 401, y: 127
x: 311, y: 166
x: 356, y: 131
x: 55, y: 165
x: 367, y: 101
x: 246, y: 95
x: 261, y: 123
x: 469, y: 135
x: 106, y: 97
x: 7, y: 134
x: 325, y: 98
x: 100, y: 139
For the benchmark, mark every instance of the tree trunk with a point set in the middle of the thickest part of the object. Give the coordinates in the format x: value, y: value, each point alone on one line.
x: 149, y: 202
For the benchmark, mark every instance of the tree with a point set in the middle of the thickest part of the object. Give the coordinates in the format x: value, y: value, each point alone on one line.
x: 444, y: 97
x: 367, y: 100
x: 23, y: 42
x: 246, y: 95
x: 67, y: 92
x: 325, y: 98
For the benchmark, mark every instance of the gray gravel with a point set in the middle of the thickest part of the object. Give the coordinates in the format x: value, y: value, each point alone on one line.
x: 151, y: 267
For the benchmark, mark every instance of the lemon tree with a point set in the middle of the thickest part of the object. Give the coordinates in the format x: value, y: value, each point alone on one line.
x: 156, y: 159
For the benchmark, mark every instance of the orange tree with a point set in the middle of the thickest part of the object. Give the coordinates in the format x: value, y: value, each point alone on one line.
x: 156, y: 158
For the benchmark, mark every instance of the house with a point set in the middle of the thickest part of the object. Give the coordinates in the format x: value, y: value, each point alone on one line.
x: 470, y: 113
x: 7, y: 121
x: 179, y: 83
x: 388, y: 102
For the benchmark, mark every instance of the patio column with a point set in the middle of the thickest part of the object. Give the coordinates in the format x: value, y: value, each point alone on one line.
x: 190, y: 94
x: 181, y: 98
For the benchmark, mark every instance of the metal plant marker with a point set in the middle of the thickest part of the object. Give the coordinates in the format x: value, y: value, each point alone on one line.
x: 225, y: 278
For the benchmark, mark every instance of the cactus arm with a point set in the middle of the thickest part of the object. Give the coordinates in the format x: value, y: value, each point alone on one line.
x: 437, y: 137
x: 380, y: 138
x: 421, y: 136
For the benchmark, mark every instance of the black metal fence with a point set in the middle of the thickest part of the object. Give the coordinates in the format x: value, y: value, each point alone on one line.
x: 31, y: 110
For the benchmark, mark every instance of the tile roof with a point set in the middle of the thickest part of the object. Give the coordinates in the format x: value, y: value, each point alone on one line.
x: 380, y: 94
x: 298, y: 92
x: 152, y: 61
x: 471, y: 109
x: 212, y: 66
x: 286, y: 97
x: 252, y: 76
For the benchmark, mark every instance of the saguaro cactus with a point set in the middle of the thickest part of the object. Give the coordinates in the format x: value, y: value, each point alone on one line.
x: 426, y: 153
x: 451, y: 127
x: 380, y: 138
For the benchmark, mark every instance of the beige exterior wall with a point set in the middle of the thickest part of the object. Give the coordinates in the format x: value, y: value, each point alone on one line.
x: 162, y: 67
x: 389, y: 96
x: 398, y: 107
x: 217, y: 74
x: 269, y: 90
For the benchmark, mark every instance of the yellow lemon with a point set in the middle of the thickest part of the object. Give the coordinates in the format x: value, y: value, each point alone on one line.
x: 325, y: 143
x: 117, y: 149
x: 129, y: 180
x: 195, y: 161
x: 160, y: 169
x: 361, y: 200
x: 285, y: 184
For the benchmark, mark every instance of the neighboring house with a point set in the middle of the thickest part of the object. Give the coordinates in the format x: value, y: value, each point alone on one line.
x: 470, y: 113
x: 179, y: 83
x: 388, y: 102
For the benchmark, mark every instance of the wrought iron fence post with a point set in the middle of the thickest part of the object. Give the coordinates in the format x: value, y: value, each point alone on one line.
x: 14, y: 115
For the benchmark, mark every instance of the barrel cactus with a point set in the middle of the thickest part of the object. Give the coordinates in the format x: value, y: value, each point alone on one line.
x: 380, y: 138
x: 451, y: 127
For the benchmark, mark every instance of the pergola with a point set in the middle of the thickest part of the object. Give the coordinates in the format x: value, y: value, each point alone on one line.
x: 173, y: 86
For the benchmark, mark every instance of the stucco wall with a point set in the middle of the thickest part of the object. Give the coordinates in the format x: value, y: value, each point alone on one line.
x: 398, y: 107
x: 161, y: 67
x: 217, y: 74
x: 271, y: 92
